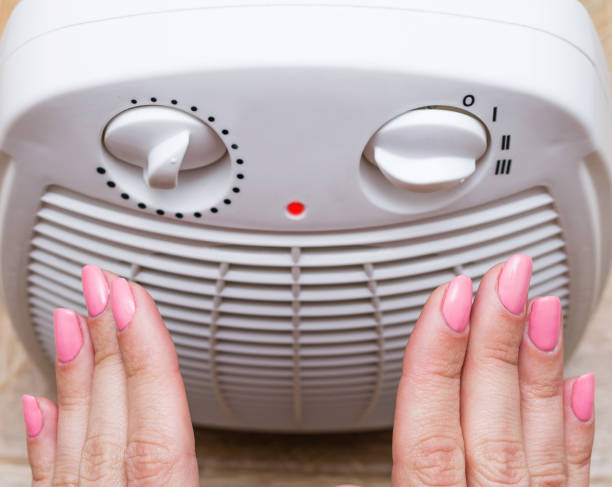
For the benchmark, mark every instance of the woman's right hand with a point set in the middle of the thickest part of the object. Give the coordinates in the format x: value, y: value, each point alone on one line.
x: 482, y: 400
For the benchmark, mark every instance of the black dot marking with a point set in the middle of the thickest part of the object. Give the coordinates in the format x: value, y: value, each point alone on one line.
x: 197, y: 214
x: 125, y: 196
x: 154, y: 100
x: 111, y: 184
x: 236, y: 190
x: 160, y: 212
x: 174, y: 102
x: 142, y: 206
x: 134, y: 102
x: 214, y: 210
x: 101, y: 170
x: 194, y: 109
x: 227, y: 201
x: 234, y: 146
x: 211, y: 119
x: 179, y: 215
x: 239, y: 161
x: 225, y: 131
x: 240, y: 176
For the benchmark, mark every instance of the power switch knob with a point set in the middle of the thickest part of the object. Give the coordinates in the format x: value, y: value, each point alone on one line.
x: 428, y: 150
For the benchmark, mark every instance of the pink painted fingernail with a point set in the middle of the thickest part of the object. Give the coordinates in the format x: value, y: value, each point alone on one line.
x: 68, y: 334
x: 32, y: 415
x: 545, y: 322
x: 457, y: 303
x: 513, y: 285
x: 583, y: 397
x: 122, y: 302
x: 95, y: 289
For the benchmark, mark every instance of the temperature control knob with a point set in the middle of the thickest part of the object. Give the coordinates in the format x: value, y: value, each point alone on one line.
x: 428, y: 149
x: 163, y: 141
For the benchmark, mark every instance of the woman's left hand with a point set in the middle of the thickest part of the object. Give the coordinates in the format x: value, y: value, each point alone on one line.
x: 121, y: 417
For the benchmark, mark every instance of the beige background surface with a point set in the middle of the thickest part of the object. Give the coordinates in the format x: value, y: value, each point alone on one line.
x: 236, y: 459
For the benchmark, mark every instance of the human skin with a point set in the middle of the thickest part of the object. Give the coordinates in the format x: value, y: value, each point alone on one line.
x: 481, y: 401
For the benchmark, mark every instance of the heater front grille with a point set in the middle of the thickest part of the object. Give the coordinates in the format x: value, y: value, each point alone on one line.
x: 287, y: 331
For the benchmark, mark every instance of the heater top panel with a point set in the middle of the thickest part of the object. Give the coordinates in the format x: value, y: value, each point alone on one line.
x: 44, y: 16
x: 565, y: 19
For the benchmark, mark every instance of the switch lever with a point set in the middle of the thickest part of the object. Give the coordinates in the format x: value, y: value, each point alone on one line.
x: 164, y: 161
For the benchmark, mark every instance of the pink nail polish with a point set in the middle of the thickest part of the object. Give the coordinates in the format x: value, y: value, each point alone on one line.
x: 122, y: 303
x: 513, y: 285
x: 457, y: 303
x: 68, y: 334
x: 583, y: 397
x: 32, y: 415
x: 545, y: 322
x: 95, y: 289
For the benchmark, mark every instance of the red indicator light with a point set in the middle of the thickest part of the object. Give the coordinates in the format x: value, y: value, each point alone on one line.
x: 295, y: 209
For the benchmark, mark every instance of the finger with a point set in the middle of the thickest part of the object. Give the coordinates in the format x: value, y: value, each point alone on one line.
x: 579, y: 394
x: 73, y: 369
x: 40, y: 417
x: 160, y: 444
x: 429, y: 392
x: 490, y: 398
x: 541, y: 385
x: 102, y: 460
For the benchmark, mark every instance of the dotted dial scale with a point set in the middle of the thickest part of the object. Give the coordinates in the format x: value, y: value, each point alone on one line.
x: 238, y: 176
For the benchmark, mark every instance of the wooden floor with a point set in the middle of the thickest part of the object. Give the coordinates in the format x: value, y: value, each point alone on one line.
x: 234, y: 459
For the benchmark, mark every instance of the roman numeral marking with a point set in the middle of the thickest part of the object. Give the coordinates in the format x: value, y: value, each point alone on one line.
x: 495, y: 114
x: 503, y: 167
x: 505, y: 142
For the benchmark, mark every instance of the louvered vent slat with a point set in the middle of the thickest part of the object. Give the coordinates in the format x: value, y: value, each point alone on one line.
x: 523, y: 203
x: 298, y: 321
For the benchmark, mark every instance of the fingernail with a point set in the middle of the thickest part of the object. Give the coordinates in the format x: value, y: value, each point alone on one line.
x: 513, y: 285
x: 32, y: 415
x: 95, y: 289
x: 583, y: 397
x: 545, y: 322
x: 457, y: 303
x: 122, y: 302
x: 68, y: 334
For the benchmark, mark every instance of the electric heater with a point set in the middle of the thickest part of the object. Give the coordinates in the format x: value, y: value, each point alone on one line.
x: 290, y: 179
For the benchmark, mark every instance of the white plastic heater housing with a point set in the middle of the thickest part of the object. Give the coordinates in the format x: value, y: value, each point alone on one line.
x: 419, y: 139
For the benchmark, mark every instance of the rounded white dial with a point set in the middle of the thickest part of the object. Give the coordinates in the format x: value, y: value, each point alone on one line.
x: 163, y: 141
x: 428, y: 150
